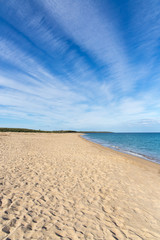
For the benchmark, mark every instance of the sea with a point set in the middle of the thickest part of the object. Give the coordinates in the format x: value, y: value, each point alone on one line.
x: 144, y: 145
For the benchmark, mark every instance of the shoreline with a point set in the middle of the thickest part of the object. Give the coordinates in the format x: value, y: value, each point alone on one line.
x: 130, y: 153
x: 62, y: 186
x: 141, y: 162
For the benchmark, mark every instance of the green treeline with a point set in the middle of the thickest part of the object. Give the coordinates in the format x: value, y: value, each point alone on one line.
x: 41, y: 131
x: 32, y: 130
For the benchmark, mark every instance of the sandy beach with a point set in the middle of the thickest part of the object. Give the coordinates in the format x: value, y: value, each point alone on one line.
x: 61, y: 186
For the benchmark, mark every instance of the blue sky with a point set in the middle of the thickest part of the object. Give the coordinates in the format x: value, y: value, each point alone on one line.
x: 81, y: 65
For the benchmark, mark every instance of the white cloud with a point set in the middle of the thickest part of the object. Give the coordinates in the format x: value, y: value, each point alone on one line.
x: 94, y: 86
x: 99, y: 36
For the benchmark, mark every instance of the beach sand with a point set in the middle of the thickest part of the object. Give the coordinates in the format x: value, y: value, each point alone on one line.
x: 61, y: 186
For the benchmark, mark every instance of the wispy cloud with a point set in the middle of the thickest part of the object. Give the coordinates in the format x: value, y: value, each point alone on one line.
x: 79, y: 64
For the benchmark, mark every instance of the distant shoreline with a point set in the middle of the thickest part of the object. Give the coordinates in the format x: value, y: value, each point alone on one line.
x: 44, y: 131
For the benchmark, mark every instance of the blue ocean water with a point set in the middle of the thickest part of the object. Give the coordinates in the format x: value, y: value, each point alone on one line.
x: 145, y: 145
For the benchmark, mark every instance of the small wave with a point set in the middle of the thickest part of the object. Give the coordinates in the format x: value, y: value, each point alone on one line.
x: 115, y: 147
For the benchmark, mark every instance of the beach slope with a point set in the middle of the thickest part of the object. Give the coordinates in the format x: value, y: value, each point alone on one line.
x: 61, y: 186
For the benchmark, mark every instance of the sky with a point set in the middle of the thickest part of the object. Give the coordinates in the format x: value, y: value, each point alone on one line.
x: 80, y: 65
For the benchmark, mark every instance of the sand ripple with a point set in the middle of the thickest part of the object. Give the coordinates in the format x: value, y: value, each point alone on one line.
x: 60, y: 186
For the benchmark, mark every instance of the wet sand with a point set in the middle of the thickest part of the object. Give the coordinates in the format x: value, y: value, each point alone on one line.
x: 61, y: 186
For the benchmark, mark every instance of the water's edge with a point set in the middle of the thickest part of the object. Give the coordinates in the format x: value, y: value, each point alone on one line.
x: 118, y: 149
